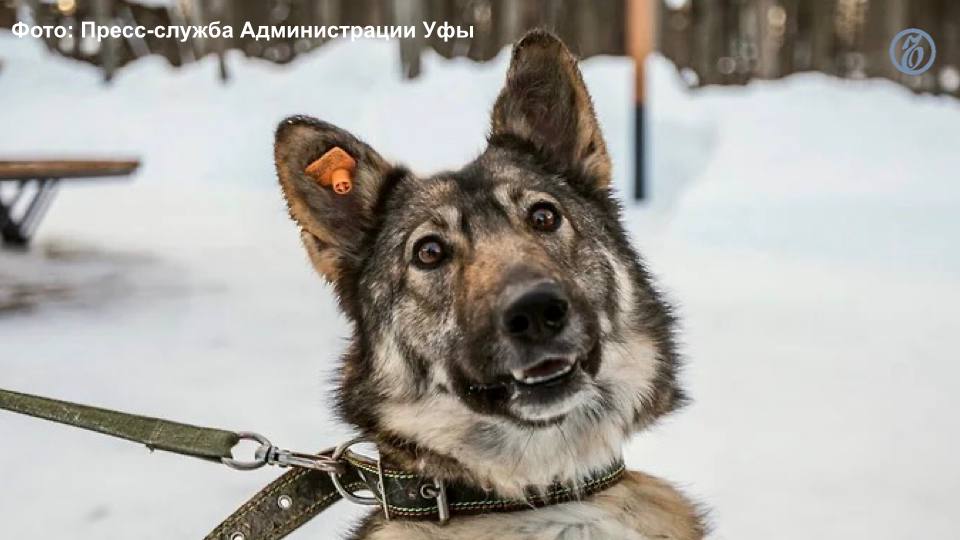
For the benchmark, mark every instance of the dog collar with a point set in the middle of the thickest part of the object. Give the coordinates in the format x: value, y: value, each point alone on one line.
x: 299, y: 495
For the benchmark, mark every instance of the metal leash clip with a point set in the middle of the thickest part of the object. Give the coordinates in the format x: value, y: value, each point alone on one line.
x: 332, y: 462
x: 320, y: 461
x: 268, y: 454
x: 328, y: 461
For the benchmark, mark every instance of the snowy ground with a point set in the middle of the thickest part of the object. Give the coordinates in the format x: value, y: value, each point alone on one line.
x: 807, y: 229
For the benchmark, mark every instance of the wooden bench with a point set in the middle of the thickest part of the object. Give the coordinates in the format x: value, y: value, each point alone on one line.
x: 36, y: 182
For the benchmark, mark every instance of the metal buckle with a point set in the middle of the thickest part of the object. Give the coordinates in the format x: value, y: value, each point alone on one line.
x: 438, y: 491
x: 338, y: 452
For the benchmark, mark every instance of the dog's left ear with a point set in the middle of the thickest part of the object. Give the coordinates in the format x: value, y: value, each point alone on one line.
x: 546, y: 103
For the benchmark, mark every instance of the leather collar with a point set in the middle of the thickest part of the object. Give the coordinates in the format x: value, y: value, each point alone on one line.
x: 301, y: 494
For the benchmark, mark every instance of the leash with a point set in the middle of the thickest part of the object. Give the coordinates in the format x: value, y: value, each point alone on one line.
x: 315, y: 482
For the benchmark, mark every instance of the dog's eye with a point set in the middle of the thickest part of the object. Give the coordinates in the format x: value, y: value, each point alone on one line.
x: 429, y: 252
x: 544, y: 217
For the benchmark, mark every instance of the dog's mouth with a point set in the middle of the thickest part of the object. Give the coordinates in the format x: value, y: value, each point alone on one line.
x: 546, y: 391
x: 535, y: 387
x: 542, y: 392
x: 550, y: 370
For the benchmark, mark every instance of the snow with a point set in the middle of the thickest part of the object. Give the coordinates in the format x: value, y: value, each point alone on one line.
x: 806, y: 229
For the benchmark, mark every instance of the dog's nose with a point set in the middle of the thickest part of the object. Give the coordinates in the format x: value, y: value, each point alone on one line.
x: 537, y: 313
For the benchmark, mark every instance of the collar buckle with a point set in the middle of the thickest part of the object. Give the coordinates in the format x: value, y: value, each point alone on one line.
x: 381, y: 500
x: 438, y: 490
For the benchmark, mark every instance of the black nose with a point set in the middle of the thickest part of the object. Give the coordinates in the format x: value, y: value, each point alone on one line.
x: 537, y: 314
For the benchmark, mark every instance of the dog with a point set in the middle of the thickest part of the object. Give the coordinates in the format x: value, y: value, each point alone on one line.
x: 505, y: 333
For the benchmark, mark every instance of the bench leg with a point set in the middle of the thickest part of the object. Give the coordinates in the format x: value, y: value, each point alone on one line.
x: 9, y: 230
x: 16, y: 232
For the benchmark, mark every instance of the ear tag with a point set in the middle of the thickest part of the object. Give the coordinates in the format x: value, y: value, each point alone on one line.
x: 334, y: 169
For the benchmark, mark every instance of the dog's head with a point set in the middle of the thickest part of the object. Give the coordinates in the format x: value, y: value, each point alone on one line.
x: 502, y: 320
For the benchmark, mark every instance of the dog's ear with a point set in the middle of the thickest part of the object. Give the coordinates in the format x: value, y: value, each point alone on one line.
x: 546, y: 103
x: 332, y: 224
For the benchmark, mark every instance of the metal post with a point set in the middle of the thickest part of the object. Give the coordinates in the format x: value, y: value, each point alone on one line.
x: 640, y: 43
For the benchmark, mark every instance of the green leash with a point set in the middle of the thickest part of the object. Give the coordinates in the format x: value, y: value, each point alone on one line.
x: 316, y: 482
x: 155, y: 433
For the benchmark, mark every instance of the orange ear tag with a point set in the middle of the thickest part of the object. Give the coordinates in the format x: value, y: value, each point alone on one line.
x: 334, y: 168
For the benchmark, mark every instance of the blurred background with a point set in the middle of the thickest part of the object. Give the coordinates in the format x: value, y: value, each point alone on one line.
x: 795, y: 193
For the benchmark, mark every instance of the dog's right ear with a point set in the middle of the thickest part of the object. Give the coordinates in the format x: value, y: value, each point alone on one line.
x: 332, y: 224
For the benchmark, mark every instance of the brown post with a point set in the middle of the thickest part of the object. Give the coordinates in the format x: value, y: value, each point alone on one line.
x: 640, y: 43
x: 103, y: 11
